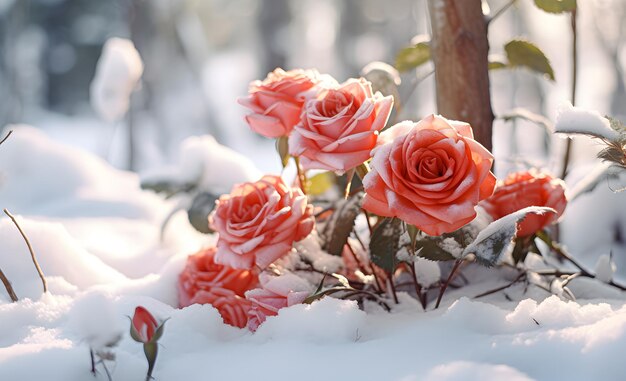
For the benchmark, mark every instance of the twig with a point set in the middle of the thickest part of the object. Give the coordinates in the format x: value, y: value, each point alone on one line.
x: 6, y: 137
x: 393, y: 287
x: 30, y: 248
x: 8, y: 286
x: 568, y: 146
x: 500, y: 11
x: 301, y: 175
x: 519, y: 278
x: 418, y: 288
x: 444, y: 286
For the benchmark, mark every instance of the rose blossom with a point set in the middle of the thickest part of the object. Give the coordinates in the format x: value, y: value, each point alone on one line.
x: 203, y: 281
x: 339, y: 127
x: 522, y: 189
x: 259, y: 222
x: 430, y: 174
x: 276, y: 292
x: 276, y: 102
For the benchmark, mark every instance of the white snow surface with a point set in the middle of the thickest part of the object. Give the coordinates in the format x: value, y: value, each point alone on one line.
x: 572, y: 120
x: 96, y: 236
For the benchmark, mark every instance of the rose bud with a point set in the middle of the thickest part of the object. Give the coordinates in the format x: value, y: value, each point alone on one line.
x: 145, y: 329
x: 430, y: 174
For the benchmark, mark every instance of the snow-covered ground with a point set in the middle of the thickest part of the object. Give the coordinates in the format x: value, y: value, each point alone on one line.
x: 97, y: 238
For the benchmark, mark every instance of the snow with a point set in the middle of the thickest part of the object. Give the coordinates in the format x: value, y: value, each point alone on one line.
x: 575, y: 120
x: 117, y: 74
x: 96, y: 235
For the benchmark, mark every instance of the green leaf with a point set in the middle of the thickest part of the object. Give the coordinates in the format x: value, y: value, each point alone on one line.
x: 556, y: 6
x: 320, y: 183
x: 495, y: 65
x: 385, y: 242
x: 429, y: 249
x: 521, y: 53
x: 198, y: 213
x: 413, y: 56
x: 282, y: 147
x: 340, y: 225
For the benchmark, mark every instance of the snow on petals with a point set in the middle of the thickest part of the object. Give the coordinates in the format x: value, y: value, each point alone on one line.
x: 340, y: 126
x: 258, y: 222
x: 430, y: 174
x: 276, y: 292
x: 203, y: 281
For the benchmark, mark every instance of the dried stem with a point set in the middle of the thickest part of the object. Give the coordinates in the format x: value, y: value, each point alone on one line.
x: 301, y: 175
x: 8, y: 286
x: 30, y: 248
x: 444, y: 286
x: 6, y: 137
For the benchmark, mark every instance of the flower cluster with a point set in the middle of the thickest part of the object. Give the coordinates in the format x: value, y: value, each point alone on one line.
x: 430, y: 175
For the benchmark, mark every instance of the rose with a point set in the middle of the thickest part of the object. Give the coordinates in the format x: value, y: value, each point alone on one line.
x: 522, y: 189
x: 259, y: 222
x: 275, y: 293
x: 339, y: 127
x: 276, y: 102
x: 203, y: 281
x: 430, y: 174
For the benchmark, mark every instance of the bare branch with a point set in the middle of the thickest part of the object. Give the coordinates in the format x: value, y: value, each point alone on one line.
x: 30, y: 248
x: 6, y: 137
x: 8, y: 286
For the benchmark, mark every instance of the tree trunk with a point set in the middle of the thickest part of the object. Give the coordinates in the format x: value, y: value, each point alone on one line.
x: 459, y: 50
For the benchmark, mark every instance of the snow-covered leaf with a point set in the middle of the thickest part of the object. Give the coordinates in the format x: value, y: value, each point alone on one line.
x: 575, y: 120
x: 600, y: 173
x: 198, y: 213
x: 522, y: 113
x: 522, y: 53
x: 339, y: 227
x: 556, y: 6
x: 413, y: 56
x: 384, y: 243
x: 605, y: 268
x: 384, y: 78
x: 491, y: 242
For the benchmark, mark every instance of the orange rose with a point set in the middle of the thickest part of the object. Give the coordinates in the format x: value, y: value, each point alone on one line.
x: 276, y: 102
x: 276, y: 292
x: 259, y: 222
x: 430, y: 174
x: 203, y: 281
x: 522, y: 189
x: 340, y: 126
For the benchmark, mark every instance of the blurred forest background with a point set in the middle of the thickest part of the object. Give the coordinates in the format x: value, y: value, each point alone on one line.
x: 200, y: 55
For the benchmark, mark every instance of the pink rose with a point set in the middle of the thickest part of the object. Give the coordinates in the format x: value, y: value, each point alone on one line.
x: 143, y: 325
x: 275, y: 293
x: 259, y: 222
x: 339, y: 127
x: 203, y: 281
x: 276, y: 102
x: 522, y: 189
x: 430, y: 174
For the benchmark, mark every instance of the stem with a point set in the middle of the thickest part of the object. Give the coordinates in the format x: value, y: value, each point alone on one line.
x: 6, y: 137
x: 301, y: 175
x: 568, y: 146
x: 30, y: 248
x: 500, y: 11
x: 444, y: 286
x: 418, y: 288
x: 93, y: 362
x: 8, y: 286
x: 519, y: 278
x: 393, y: 288
x: 362, y: 170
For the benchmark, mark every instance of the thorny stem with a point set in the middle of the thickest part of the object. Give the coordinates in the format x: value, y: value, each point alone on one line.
x: 568, y: 146
x: 301, y: 175
x: 8, y: 286
x: 6, y: 137
x: 444, y: 286
x: 30, y: 248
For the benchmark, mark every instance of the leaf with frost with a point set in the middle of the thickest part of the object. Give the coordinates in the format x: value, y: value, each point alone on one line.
x: 522, y: 53
x: 384, y: 244
x: 605, y: 268
x: 340, y: 225
x: 493, y: 241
